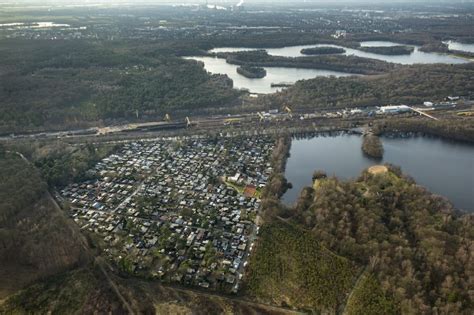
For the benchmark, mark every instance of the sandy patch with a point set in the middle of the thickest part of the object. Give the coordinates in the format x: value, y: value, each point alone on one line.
x: 378, y: 169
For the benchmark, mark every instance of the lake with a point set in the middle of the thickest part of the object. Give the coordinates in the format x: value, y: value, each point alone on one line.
x: 291, y: 75
x: 416, y: 57
x: 263, y: 85
x: 445, y: 168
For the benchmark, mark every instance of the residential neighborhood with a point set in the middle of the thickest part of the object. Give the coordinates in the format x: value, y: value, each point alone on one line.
x: 180, y: 210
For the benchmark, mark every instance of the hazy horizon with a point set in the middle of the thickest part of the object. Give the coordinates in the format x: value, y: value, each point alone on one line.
x: 227, y: 2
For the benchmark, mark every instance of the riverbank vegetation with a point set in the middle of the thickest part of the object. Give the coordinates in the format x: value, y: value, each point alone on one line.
x: 327, y: 50
x: 252, y: 72
x: 460, y: 129
x: 389, y: 50
x: 372, y: 146
x: 277, y: 183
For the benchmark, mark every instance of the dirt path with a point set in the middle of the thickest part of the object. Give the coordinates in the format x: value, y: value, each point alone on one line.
x: 356, y: 284
x: 100, y: 263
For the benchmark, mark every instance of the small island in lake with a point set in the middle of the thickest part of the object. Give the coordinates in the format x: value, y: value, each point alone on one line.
x: 281, y: 84
x: 372, y: 146
x: 323, y: 51
x: 390, y: 50
x: 252, y: 72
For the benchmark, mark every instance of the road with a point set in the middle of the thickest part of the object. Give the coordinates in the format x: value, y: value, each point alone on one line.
x: 423, y: 113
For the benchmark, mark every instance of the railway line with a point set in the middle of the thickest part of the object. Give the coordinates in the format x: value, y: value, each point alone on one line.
x: 253, y: 121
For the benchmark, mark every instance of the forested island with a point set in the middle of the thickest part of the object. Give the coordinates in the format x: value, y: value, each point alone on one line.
x: 326, y: 50
x: 372, y: 146
x: 252, y: 72
x: 390, y: 50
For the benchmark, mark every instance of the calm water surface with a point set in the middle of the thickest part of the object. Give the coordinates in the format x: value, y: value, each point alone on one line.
x: 263, y: 85
x: 291, y: 75
x: 416, y: 57
x: 445, y: 168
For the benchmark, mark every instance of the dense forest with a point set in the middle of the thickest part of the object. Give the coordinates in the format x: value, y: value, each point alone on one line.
x: 21, y: 185
x: 368, y: 298
x: 288, y: 257
x: 414, y: 244
x: 408, y: 249
x: 349, y: 64
x: 60, y: 84
x: 407, y: 85
x: 35, y: 238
